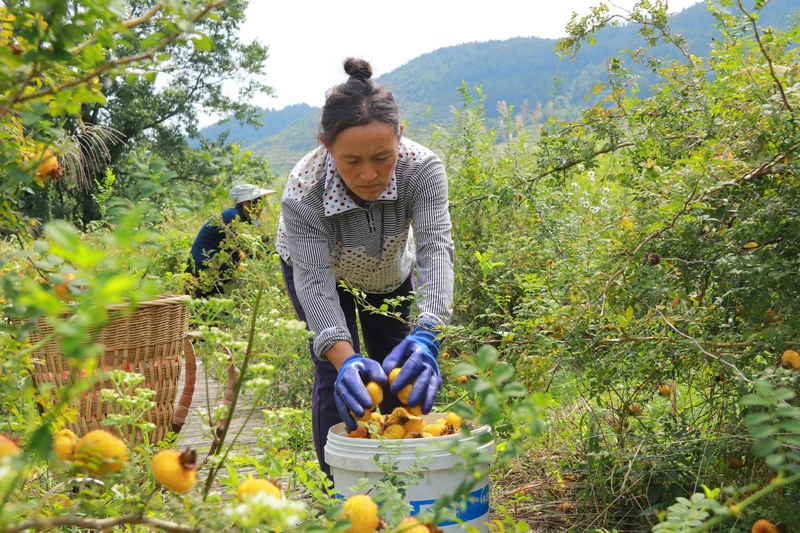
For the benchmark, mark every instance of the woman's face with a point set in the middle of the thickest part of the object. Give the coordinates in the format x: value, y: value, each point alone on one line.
x: 365, y: 156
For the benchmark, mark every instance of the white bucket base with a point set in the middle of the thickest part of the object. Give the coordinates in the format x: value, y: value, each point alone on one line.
x: 352, y: 459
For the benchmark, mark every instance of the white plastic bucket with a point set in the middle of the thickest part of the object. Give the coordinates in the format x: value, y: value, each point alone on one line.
x: 352, y: 459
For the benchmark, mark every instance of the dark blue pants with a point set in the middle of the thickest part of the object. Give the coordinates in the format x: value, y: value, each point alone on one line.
x: 381, y: 334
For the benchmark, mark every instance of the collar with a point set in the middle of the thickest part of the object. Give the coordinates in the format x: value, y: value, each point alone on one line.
x: 337, y: 200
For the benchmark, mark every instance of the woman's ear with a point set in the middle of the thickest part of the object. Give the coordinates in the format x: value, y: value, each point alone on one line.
x: 322, y: 140
x: 402, y: 129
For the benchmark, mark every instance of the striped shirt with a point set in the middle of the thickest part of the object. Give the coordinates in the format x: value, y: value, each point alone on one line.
x: 326, y: 237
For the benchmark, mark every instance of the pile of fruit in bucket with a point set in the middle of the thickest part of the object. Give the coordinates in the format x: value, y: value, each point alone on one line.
x: 404, y: 422
x: 403, y: 425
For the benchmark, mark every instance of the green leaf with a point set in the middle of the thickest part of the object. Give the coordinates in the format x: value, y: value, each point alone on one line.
x: 752, y: 400
x: 465, y: 369
x: 756, y: 419
x: 765, y: 447
x: 502, y: 373
x: 515, y: 390
x: 487, y: 355
x: 629, y: 313
x: 203, y: 42
x: 464, y: 410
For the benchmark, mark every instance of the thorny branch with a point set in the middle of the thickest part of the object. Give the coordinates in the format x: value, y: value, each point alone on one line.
x: 753, y: 174
x: 766, y: 56
x: 44, y: 523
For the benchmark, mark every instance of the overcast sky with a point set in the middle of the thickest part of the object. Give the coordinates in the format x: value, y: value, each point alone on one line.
x: 309, y: 39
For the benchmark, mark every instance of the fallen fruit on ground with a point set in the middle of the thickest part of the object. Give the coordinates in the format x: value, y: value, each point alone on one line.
x: 64, y: 444
x: 252, y: 486
x: 99, y: 451
x: 362, y: 513
x: 175, y: 470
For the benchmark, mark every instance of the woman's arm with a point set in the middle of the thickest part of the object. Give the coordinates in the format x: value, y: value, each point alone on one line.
x: 430, y: 218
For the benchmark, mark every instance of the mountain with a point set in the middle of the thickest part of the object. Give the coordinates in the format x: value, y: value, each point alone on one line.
x: 517, y: 71
x: 273, y: 121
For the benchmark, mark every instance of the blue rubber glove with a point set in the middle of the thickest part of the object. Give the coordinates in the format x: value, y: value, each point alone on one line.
x: 350, y: 390
x: 416, y: 356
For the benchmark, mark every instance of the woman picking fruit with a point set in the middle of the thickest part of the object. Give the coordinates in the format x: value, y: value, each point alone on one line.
x: 367, y: 207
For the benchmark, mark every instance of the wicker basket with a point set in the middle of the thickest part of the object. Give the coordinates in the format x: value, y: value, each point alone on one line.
x: 148, y: 341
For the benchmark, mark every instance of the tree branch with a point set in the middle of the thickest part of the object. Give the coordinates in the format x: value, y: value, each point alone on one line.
x: 767, y: 57
x: 571, y: 164
x: 753, y: 174
x: 112, y: 64
x: 128, y: 24
x: 100, y: 524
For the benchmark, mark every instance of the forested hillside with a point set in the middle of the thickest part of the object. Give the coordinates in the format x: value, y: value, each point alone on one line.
x: 524, y: 72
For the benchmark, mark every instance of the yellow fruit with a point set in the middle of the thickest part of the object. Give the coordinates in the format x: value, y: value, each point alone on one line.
x: 250, y: 487
x: 462, y: 379
x: 62, y: 289
x: 393, y: 375
x: 360, y: 432
x: 49, y: 168
x: 376, y: 418
x: 8, y: 447
x: 64, y: 444
x: 453, y: 420
x: 550, y: 262
x: 175, y: 470
x: 362, y: 513
x: 240, y: 268
x: 404, y: 393
x: 394, y: 432
x: 99, y: 451
x: 750, y: 245
x: 634, y: 409
x: 436, y: 430
x: 792, y: 359
x: 398, y: 416
x: 415, y: 410
x: 366, y: 418
x: 665, y: 390
x: 414, y: 425
x: 764, y: 526
x: 376, y: 393
x: 736, y: 462
x: 242, y: 255
x: 412, y: 525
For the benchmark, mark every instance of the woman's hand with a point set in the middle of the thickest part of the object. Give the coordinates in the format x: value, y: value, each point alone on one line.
x: 349, y: 389
x: 416, y: 357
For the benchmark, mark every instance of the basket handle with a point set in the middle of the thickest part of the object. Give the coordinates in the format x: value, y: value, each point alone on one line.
x: 185, y: 402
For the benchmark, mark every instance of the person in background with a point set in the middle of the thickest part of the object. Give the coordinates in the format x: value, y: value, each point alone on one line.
x: 367, y: 207
x: 207, y: 244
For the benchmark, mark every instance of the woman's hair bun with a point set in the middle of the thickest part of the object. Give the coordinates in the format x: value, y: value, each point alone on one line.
x: 358, y: 68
